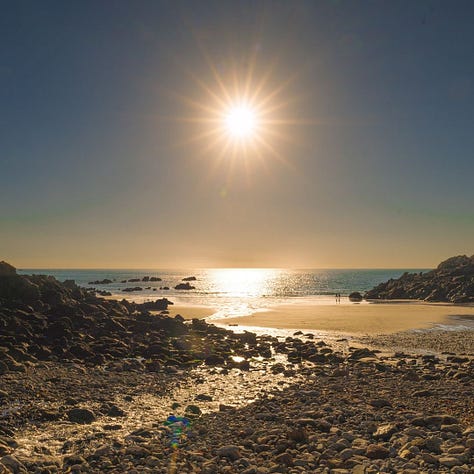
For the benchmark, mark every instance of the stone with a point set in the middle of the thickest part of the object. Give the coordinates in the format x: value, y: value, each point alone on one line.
x: 12, y: 463
x: 422, y: 393
x: 386, y: 431
x: 184, y: 286
x: 193, y: 411
x: 377, y: 451
x: 231, y: 452
x: 380, y: 402
x: 433, y: 444
x: 202, y: 397
x: 284, y: 458
x: 114, y: 411
x: 450, y: 461
x: 81, y: 416
x: 355, y: 296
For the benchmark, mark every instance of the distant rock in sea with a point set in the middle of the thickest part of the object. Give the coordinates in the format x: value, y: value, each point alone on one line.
x: 184, y: 286
x: 190, y: 278
x: 132, y: 288
x: 452, y: 281
x: 105, y: 281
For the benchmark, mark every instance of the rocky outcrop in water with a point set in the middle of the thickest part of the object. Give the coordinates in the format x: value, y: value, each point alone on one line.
x: 184, y: 286
x: 452, y: 281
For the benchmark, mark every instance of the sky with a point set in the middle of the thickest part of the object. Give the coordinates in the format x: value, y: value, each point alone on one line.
x: 109, y: 112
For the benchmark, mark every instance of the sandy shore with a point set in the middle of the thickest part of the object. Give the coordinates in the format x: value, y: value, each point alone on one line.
x: 368, y: 319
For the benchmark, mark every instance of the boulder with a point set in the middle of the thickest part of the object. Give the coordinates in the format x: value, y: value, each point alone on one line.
x: 355, y: 296
x: 81, y: 416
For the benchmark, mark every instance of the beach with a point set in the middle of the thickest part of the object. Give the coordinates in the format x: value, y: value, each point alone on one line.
x: 371, y: 319
x: 128, y: 388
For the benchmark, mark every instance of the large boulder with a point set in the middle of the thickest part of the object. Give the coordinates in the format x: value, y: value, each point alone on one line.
x: 355, y: 296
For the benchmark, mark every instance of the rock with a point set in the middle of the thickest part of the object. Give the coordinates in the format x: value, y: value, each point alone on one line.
x: 81, y: 416
x: 386, y: 431
x: 5, y: 449
x: 433, y: 444
x: 115, y: 412
x: 105, y: 281
x: 355, y: 296
x: 452, y: 280
x: 231, y: 452
x: 214, y: 360
x: 192, y: 411
x: 12, y: 463
x: 190, y: 278
x: 450, y: 461
x: 422, y: 393
x: 361, y: 354
x: 184, y: 286
x: 377, y: 451
x: 7, y: 269
x: 137, y: 451
x: 284, y: 458
x: 157, y: 305
x: 380, y: 402
x: 201, y: 397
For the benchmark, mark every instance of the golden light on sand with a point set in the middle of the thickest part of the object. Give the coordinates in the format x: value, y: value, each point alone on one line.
x: 241, y: 121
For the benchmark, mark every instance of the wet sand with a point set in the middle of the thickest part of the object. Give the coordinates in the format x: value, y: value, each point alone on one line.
x: 369, y: 319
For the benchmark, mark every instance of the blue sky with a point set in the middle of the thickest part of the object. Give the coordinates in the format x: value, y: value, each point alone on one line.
x: 375, y: 145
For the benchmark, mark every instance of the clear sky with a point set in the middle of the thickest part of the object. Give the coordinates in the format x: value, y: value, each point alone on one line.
x: 106, y: 106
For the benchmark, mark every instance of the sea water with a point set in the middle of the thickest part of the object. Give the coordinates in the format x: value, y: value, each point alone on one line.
x: 232, y: 291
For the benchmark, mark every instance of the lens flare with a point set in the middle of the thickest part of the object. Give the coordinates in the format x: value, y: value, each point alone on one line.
x: 241, y: 121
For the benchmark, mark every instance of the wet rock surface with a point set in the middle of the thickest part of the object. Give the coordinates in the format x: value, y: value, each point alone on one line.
x: 452, y: 281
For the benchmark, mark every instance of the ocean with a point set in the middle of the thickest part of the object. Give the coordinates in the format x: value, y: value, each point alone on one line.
x: 232, y: 291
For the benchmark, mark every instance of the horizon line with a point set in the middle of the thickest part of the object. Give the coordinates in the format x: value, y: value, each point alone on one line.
x: 221, y: 268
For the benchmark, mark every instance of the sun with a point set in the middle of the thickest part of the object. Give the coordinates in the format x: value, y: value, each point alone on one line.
x: 237, y: 115
x: 241, y: 121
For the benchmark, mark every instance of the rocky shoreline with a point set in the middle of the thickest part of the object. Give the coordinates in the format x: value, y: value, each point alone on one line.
x: 452, y: 281
x: 88, y: 385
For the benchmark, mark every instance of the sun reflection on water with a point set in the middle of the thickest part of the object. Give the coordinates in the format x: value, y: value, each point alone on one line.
x: 243, y: 282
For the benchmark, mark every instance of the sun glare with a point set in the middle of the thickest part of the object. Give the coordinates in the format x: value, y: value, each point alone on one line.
x: 241, y: 122
x: 238, y: 116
